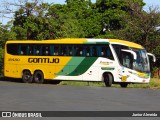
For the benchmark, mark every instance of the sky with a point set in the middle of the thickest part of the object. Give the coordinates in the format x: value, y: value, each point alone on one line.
x: 3, y: 20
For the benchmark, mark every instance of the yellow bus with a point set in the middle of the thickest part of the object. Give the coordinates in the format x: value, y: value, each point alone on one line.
x: 112, y: 61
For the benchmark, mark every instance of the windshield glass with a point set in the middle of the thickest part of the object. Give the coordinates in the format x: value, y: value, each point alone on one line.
x: 141, y: 63
x: 126, y: 59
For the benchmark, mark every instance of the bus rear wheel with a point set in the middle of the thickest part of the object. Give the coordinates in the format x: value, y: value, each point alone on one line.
x: 38, y: 77
x: 108, y: 79
x: 27, y: 77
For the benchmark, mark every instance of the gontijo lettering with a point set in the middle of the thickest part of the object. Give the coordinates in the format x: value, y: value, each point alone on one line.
x: 43, y: 60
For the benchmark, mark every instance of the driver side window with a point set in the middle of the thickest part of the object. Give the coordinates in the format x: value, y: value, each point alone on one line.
x: 127, y: 59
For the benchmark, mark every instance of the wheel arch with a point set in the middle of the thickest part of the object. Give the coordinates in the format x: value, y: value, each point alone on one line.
x: 106, y: 74
x: 26, y: 70
x: 38, y: 70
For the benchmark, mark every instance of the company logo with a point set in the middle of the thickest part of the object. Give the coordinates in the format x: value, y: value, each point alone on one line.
x: 6, y: 114
x: 21, y: 114
x: 43, y: 60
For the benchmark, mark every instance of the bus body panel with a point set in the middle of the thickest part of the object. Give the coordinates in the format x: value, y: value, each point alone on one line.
x: 46, y: 64
x: 131, y: 76
x: 94, y: 72
x: 73, y: 67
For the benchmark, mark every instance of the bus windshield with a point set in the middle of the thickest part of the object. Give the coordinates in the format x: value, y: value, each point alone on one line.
x: 126, y: 59
x: 141, y: 63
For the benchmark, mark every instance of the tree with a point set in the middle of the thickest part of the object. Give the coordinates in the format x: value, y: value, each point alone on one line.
x: 63, y: 23
x: 5, y: 34
x: 112, y: 12
x: 141, y: 27
x: 87, y: 15
x: 30, y: 21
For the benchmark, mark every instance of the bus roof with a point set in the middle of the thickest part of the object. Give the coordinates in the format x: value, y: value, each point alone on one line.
x: 127, y: 43
x: 80, y: 41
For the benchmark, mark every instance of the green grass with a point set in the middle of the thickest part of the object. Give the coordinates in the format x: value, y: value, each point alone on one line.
x: 154, y: 84
x: 81, y: 83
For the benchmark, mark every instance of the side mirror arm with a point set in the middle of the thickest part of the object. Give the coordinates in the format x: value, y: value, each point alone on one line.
x: 132, y: 52
x: 154, y: 58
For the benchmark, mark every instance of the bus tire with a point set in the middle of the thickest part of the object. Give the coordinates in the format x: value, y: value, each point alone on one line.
x: 38, y: 77
x: 108, y: 79
x: 123, y: 85
x: 27, y: 76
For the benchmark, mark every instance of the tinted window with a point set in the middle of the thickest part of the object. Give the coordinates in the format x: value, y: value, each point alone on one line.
x: 23, y: 49
x: 37, y: 50
x: 60, y: 50
x: 46, y: 50
x: 104, y: 51
x: 12, y: 49
x: 124, y: 57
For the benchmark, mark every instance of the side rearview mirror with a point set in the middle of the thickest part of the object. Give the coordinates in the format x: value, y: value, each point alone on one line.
x: 154, y: 58
x: 132, y: 52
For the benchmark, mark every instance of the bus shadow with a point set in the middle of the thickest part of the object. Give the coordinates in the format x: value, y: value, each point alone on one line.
x: 16, y: 80
x: 4, y: 79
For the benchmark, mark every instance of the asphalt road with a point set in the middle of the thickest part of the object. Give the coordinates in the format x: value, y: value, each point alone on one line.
x: 16, y: 96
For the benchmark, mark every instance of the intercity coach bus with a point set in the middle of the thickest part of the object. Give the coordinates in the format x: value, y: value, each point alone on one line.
x: 112, y: 61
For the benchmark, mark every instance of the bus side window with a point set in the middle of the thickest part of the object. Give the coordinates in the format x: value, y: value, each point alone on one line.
x: 51, y: 49
x: 30, y: 50
x: 45, y: 50
x: 13, y: 49
x: 93, y: 51
x: 100, y: 51
x: 63, y: 50
x: 79, y: 50
x: 23, y: 49
x: 98, y: 48
x: 38, y: 50
x: 56, y: 50
x: 103, y: 52
x: 126, y: 60
x: 109, y: 54
x: 86, y: 51
x: 71, y: 50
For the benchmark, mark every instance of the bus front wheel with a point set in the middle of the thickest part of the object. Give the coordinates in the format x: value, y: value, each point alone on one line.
x: 108, y: 79
x: 38, y: 77
x: 27, y: 77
